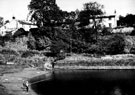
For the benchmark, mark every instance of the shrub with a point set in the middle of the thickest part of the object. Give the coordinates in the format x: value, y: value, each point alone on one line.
x: 38, y: 40
x: 95, y: 49
x: 86, y: 34
x: 79, y: 46
x: 2, y: 43
x: 132, y: 50
x: 133, y: 32
x: 29, y: 53
x: 106, y: 31
x: 129, y: 43
x: 31, y: 42
x: 114, y: 45
x: 108, y: 45
x: 20, y: 43
x: 30, y: 62
x: 9, y: 52
x: 9, y: 58
x: 2, y: 59
x: 20, y: 32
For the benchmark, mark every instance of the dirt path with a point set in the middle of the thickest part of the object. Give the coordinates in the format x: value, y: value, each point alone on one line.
x: 13, y: 82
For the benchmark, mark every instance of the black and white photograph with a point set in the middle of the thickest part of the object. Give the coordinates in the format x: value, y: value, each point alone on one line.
x: 67, y: 47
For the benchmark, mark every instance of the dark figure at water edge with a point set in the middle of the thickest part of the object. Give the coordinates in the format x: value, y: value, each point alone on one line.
x: 26, y: 85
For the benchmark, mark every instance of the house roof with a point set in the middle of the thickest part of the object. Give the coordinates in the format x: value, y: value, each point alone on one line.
x: 100, y: 17
x: 25, y: 22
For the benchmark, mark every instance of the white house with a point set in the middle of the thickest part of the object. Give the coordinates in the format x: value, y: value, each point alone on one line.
x: 109, y: 21
x: 14, y: 25
x: 105, y: 20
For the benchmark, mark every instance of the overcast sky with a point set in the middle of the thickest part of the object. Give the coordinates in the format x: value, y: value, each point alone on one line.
x: 19, y: 9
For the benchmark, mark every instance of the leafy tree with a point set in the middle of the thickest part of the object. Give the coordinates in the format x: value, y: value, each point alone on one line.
x: 45, y: 12
x: 90, y: 11
x: 128, y: 20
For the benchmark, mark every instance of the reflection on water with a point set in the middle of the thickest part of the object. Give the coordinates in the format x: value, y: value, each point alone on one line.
x: 88, y: 82
x: 117, y: 91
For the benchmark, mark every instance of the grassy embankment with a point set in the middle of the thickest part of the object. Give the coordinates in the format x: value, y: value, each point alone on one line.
x: 118, y: 61
x: 17, y: 53
x: 125, y: 61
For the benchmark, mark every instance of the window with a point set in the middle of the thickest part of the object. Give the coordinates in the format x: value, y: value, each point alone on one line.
x: 110, y: 18
x: 110, y: 25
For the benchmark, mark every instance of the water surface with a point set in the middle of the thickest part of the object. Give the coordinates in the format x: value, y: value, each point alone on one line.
x: 88, y: 82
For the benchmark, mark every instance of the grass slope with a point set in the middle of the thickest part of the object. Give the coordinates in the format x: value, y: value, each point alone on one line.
x: 104, y: 62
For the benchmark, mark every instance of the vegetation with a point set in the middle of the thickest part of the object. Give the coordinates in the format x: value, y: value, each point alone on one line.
x: 62, y: 31
x: 82, y: 60
x: 66, y: 31
x: 90, y: 11
x: 46, y: 12
x: 1, y: 21
x: 128, y: 20
x: 99, y: 62
x: 51, y: 32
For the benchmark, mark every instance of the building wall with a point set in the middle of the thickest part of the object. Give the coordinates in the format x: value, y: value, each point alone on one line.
x: 110, y: 22
x: 13, y: 26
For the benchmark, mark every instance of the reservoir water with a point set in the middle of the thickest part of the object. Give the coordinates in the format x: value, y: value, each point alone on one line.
x: 88, y: 82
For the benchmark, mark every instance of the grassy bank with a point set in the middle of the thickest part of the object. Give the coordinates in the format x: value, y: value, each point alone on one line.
x: 125, y: 61
x: 23, y: 58
x: 96, y: 67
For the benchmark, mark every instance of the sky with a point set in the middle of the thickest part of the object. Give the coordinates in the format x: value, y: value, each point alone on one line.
x: 19, y: 8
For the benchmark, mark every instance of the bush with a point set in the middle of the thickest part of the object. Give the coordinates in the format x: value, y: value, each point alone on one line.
x: 57, y: 46
x: 38, y: 40
x: 106, y: 31
x: 79, y: 46
x: 95, y: 49
x: 86, y: 34
x: 2, y: 43
x: 9, y: 58
x: 29, y: 53
x: 132, y: 50
x: 2, y: 60
x: 114, y: 45
x: 20, y: 32
x: 9, y: 52
x: 20, y: 43
x: 133, y: 32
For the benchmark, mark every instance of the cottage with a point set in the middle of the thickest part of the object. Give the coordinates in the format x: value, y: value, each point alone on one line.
x: 14, y: 25
x: 105, y: 20
x: 109, y: 21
